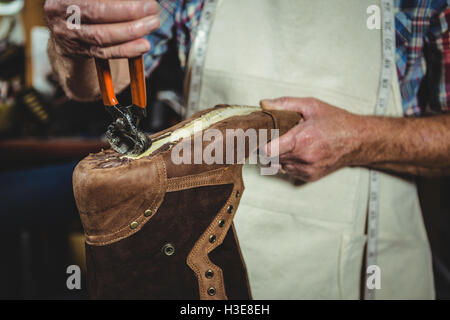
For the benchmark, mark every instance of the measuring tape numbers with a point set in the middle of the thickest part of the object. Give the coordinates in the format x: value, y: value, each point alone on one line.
x: 384, y: 89
x: 198, y: 52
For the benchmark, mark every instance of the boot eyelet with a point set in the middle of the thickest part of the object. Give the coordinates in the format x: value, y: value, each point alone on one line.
x: 209, y: 274
x: 168, y: 249
x: 211, y: 291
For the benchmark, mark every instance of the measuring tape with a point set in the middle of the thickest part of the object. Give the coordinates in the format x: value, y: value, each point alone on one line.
x: 384, y: 89
x: 198, y: 54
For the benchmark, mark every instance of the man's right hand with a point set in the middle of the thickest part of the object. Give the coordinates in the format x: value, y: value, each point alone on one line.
x: 109, y: 28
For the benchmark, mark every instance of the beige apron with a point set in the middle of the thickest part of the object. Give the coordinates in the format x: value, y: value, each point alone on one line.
x: 307, y: 241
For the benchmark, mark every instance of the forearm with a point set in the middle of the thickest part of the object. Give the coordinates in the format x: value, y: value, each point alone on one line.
x: 78, y: 76
x: 419, y: 146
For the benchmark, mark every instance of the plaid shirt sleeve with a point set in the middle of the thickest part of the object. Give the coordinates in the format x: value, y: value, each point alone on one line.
x: 437, y: 54
x: 178, y: 19
x: 423, y: 55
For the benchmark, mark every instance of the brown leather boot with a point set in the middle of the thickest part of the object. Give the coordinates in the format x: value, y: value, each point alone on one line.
x: 160, y: 230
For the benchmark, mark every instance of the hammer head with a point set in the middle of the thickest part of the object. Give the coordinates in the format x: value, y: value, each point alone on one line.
x: 123, y: 134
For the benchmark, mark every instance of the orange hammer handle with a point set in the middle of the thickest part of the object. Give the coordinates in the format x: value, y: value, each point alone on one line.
x: 137, y: 81
x: 106, y: 82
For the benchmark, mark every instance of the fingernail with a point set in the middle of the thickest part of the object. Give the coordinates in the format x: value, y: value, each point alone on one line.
x: 142, y: 47
x: 268, y: 104
x: 151, y: 22
x: 266, y: 101
x: 148, y: 7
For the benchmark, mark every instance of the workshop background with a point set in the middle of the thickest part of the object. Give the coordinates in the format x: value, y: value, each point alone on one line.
x: 43, y: 135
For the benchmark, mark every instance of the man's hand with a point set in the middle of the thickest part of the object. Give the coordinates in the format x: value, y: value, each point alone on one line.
x: 109, y: 28
x: 330, y: 138
x: 327, y: 139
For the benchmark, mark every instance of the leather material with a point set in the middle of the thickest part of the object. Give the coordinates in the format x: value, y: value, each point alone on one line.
x: 198, y: 259
x: 124, y: 242
x: 137, y: 268
x: 107, y: 210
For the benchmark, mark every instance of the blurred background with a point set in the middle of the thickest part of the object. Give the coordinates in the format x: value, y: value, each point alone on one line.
x: 43, y: 135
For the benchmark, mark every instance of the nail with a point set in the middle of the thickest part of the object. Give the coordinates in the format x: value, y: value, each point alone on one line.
x: 267, y: 104
x: 151, y: 23
x: 266, y: 101
x: 142, y: 47
x: 148, y: 7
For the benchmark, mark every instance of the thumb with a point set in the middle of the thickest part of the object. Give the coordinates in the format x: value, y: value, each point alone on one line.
x: 282, y: 103
x: 281, y: 145
x: 305, y: 106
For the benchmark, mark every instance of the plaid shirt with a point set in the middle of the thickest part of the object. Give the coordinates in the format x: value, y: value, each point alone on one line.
x: 422, y: 48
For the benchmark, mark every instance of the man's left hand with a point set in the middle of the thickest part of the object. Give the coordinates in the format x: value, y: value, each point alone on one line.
x: 326, y: 140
